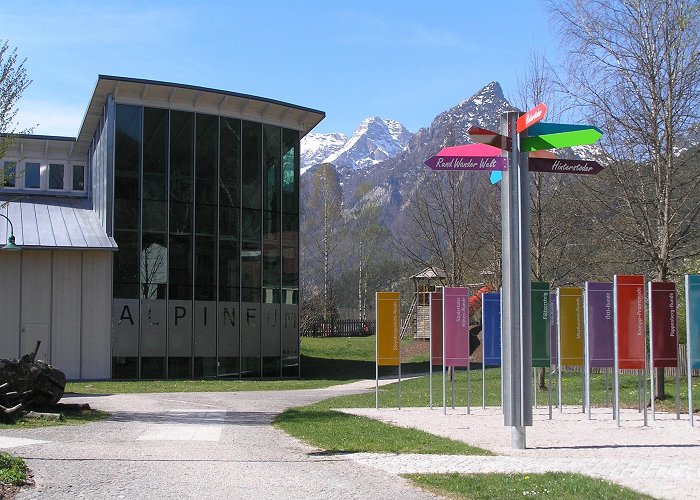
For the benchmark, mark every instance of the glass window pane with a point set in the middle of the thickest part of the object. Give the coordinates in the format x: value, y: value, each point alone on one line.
x: 9, y: 173
x: 55, y: 176
x: 229, y: 162
x: 180, y: 267
x: 290, y: 171
x: 154, y: 265
x: 78, y: 178
x: 272, y: 167
x: 252, y: 164
x: 32, y: 175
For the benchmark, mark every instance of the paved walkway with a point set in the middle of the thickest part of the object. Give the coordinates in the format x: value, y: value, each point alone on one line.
x: 194, y: 445
x: 221, y: 445
x: 662, y: 459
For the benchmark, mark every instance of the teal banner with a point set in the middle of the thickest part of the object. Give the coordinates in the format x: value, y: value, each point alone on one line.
x: 540, y: 308
x: 692, y: 317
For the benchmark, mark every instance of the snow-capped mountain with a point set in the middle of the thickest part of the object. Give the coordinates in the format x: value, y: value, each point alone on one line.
x: 374, y: 141
x: 315, y: 148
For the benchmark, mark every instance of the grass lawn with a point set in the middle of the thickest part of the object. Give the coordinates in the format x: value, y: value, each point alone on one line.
x: 557, y: 485
x: 12, y: 470
x: 68, y: 417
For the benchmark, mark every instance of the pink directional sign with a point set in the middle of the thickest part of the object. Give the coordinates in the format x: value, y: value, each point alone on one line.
x: 455, y: 324
x: 560, y: 166
x: 468, y: 157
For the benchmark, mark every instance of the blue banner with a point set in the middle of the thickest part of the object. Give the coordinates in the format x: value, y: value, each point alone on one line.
x: 491, y: 324
x: 692, y: 315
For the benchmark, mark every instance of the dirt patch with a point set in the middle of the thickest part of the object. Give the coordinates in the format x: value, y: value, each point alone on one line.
x: 414, y: 348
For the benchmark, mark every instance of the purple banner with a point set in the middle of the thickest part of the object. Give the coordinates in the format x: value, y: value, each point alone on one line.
x: 455, y: 325
x: 600, y: 328
x: 438, y: 162
x: 553, y: 335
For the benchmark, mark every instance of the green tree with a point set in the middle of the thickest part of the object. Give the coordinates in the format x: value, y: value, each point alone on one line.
x: 13, y: 82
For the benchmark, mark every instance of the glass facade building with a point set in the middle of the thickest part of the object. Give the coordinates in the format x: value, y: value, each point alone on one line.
x: 206, y: 217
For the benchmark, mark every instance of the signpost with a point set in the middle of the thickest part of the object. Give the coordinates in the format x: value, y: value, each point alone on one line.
x: 630, y: 331
x: 435, y: 336
x: 692, y: 321
x: 388, y: 341
x: 663, y: 336
x: 518, y: 136
x: 468, y: 157
x: 531, y: 117
x: 491, y: 336
x: 455, y: 328
x: 559, y: 166
x: 599, y: 333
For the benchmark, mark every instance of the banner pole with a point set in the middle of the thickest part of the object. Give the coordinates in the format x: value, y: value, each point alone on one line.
x: 616, y: 375
x: 549, y: 391
x: 444, y: 387
x: 561, y: 410
x: 483, y: 355
x: 534, y: 376
x: 586, y: 354
x: 399, y: 396
x: 430, y: 349
x: 469, y: 402
x: 688, y: 350
x: 376, y: 350
x: 607, y: 386
x: 651, y: 358
x: 678, y: 382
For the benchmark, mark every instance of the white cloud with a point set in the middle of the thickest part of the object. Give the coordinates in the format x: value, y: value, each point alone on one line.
x: 49, y: 118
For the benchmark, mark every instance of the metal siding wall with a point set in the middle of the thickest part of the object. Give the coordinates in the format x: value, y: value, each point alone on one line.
x: 96, y: 298
x: 10, y: 304
x: 65, y: 313
x: 36, y: 302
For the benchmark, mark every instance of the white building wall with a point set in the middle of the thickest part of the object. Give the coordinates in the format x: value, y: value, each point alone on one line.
x: 61, y: 297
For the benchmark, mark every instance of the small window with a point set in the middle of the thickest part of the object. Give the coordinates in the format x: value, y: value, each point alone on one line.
x: 32, y: 175
x: 8, y: 174
x: 78, y: 178
x: 55, y: 176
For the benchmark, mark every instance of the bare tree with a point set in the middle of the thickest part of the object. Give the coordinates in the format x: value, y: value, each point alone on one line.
x: 323, y: 223
x: 634, y: 67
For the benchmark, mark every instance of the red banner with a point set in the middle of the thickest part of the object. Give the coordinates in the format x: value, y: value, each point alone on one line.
x: 436, y: 327
x: 630, y: 321
x: 663, y: 324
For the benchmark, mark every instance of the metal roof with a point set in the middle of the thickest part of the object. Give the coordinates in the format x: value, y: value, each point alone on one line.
x: 192, y: 98
x: 53, y: 223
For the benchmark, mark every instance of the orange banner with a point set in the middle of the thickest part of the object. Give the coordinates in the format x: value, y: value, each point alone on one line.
x: 571, y: 326
x: 388, y: 328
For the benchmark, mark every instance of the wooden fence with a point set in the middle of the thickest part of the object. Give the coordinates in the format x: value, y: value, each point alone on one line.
x: 339, y: 328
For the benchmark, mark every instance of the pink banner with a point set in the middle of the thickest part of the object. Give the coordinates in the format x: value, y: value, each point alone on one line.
x: 455, y: 321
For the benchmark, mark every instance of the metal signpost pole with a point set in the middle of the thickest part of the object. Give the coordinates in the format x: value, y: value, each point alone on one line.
x: 517, y: 353
x: 586, y: 354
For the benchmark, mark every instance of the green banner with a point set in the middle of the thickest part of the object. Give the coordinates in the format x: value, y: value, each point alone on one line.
x: 540, y: 324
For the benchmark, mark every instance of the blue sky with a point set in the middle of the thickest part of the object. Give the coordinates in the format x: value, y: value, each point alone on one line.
x: 407, y: 61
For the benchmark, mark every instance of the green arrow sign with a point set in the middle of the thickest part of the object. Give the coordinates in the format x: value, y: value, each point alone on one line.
x: 559, y: 135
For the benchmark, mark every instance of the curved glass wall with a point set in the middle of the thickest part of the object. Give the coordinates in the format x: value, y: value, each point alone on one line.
x: 206, y: 216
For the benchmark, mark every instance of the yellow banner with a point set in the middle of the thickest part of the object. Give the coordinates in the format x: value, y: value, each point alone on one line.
x: 388, y: 328
x: 571, y: 326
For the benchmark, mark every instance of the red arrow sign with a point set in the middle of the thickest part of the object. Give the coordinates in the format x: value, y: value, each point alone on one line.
x: 560, y: 166
x: 531, y: 117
